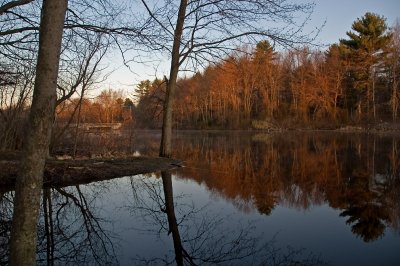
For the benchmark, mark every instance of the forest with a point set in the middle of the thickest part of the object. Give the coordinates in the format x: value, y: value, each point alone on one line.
x: 352, y: 83
x: 234, y: 64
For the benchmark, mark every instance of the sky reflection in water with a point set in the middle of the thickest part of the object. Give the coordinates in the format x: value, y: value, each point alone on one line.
x: 242, y: 198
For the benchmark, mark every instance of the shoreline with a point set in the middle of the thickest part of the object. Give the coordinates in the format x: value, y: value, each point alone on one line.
x: 63, y: 173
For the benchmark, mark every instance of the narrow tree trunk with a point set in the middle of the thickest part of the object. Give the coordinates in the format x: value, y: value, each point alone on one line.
x: 373, y: 96
x: 48, y: 222
x: 30, y: 177
x: 394, y: 96
x: 166, y: 137
x: 170, y: 209
x: 78, y: 121
x: 392, y: 160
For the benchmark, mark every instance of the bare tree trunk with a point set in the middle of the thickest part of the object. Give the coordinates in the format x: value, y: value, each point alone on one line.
x: 373, y: 96
x: 78, y: 121
x: 394, y: 100
x: 30, y: 177
x: 166, y: 137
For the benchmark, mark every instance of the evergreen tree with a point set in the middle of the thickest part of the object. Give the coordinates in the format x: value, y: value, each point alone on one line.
x: 393, y: 67
x: 366, y: 48
x: 264, y: 52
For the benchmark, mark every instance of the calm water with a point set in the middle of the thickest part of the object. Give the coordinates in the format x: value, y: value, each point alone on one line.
x: 242, y: 198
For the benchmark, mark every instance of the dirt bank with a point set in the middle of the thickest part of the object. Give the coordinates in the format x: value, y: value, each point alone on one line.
x: 61, y: 173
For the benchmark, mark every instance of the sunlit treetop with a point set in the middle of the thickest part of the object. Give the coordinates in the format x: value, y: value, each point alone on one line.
x: 264, y: 51
x: 369, y: 33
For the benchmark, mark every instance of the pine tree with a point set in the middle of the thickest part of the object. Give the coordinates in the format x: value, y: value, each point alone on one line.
x: 366, y: 48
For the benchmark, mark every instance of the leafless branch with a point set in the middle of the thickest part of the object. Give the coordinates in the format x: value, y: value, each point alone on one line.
x: 13, y: 4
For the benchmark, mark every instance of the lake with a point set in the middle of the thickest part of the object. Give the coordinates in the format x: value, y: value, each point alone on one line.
x: 293, y: 198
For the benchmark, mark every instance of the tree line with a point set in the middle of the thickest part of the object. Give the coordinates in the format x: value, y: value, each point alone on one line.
x: 66, y: 41
x: 108, y: 107
x: 353, y: 82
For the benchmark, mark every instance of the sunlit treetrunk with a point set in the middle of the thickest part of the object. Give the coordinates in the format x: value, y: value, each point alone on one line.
x: 30, y: 177
x: 395, y: 97
x: 335, y: 68
x: 338, y: 92
x: 246, y: 82
x: 263, y: 64
x: 394, y: 65
x: 373, y: 95
x: 166, y: 138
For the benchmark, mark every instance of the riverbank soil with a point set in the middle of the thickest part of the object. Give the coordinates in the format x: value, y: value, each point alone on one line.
x: 61, y: 173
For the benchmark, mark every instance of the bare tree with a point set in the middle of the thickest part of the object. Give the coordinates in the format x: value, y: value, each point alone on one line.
x: 82, y: 72
x: 90, y: 28
x: 205, y: 30
x: 30, y: 177
x: 81, y: 53
x: 14, y: 97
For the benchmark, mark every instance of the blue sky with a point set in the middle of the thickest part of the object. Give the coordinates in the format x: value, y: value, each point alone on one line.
x: 338, y: 14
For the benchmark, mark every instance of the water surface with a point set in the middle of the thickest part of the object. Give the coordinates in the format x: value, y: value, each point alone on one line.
x: 260, y: 199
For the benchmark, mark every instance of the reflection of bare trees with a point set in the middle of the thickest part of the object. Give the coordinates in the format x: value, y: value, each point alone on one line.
x: 6, y: 206
x: 202, y: 238
x: 356, y: 173
x: 69, y: 231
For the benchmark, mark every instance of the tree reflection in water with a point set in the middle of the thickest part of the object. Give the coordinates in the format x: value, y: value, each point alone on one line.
x: 366, y: 210
x: 358, y: 174
x: 203, y: 238
x: 69, y: 232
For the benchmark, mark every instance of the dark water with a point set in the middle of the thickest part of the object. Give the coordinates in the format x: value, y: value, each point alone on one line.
x: 242, y: 198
